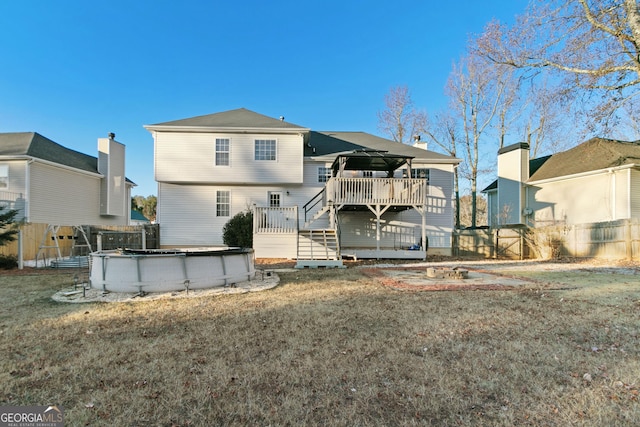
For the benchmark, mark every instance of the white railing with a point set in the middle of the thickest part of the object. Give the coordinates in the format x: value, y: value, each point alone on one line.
x: 9, y: 200
x: 385, y: 191
x: 275, y: 220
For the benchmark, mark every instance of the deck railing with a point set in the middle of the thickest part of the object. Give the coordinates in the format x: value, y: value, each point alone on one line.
x: 384, y: 191
x: 275, y: 220
x: 9, y: 200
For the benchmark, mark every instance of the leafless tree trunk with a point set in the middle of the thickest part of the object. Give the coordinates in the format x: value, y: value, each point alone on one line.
x: 400, y: 120
x: 476, y: 93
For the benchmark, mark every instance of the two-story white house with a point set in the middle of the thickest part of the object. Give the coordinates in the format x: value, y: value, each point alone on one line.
x: 313, y: 194
x: 51, y: 184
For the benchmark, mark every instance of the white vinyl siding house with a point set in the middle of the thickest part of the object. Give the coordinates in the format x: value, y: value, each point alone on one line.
x: 596, y: 181
x: 276, y: 169
x: 51, y: 184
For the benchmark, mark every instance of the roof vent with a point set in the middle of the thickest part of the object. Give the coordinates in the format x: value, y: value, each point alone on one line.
x: 282, y: 118
x: 112, y: 135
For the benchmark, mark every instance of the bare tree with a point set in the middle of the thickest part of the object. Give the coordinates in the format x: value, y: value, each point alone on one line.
x: 476, y: 92
x: 591, y: 46
x: 443, y: 131
x: 400, y: 120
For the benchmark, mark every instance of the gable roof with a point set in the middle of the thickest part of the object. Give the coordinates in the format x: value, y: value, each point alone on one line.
x: 240, y: 119
x: 594, y: 154
x: 326, y: 143
x: 33, y: 144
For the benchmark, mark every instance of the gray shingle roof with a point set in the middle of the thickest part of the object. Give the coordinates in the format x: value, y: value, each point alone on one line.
x: 239, y: 118
x: 33, y: 144
x: 594, y: 154
x: 337, y: 142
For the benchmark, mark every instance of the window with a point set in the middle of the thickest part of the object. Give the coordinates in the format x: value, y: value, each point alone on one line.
x: 324, y: 173
x: 420, y: 173
x: 223, y: 203
x: 274, y: 199
x: 367, y: 174
x: 265, y: 149
x: 222, y: 151
x: 4, y: 177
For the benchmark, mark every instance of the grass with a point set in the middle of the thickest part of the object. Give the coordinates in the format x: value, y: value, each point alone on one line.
x: 330, y: 347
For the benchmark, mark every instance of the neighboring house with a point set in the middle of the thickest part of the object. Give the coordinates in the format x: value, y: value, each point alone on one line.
x: 137, y: 218
x: 596, y: 181
x: 360, y: 194
x: 50, y: 184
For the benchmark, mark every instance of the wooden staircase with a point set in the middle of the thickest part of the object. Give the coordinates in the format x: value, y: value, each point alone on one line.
x: 318, y: 248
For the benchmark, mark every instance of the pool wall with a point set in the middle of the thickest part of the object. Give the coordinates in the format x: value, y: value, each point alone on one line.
x: 170, y: 270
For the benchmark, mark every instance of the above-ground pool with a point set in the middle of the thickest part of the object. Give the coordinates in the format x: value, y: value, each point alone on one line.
x: 166, y: 270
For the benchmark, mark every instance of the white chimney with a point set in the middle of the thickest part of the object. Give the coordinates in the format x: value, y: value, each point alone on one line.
x: 513, y: 172
x: 111, y: 156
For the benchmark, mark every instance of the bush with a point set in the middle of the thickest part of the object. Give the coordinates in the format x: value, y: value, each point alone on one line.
x: 7, y: 262
x: 238, y: 231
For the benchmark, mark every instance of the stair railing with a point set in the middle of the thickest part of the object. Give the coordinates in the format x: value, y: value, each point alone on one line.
x: 311, y: 204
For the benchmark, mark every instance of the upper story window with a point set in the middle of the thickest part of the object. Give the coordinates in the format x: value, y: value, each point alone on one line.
x: 222, y: 151
x: 420, y: 173
x: 324, y: 173
x: 223, y: 203
x: 4, y: 177
x: 265, y: 149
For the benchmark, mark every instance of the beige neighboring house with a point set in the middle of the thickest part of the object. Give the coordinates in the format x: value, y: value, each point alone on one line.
x: 314, y: 195
x: 596, y: 181
x: 50, y: 184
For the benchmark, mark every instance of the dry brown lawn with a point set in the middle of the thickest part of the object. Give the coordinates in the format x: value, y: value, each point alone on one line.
x: 331, y: 347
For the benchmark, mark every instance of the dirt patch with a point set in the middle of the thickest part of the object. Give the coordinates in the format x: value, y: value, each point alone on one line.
x: 416, y: 279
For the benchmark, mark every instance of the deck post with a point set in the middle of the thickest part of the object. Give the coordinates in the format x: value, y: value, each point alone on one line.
x: 423, y: 214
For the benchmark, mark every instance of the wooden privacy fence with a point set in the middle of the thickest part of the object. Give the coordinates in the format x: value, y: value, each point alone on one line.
x: 68, y: 237
x: 491, y: 243
x: 608, y: 240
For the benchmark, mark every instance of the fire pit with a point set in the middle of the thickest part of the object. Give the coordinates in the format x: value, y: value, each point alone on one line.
x: 447, y: 273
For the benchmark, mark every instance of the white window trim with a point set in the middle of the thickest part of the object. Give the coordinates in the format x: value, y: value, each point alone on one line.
x: 215, y: 152
x: 4, y: 172
x: 229, y: 204
x: 327, y: 174
x: 280, y: 199
x: 255, y: 140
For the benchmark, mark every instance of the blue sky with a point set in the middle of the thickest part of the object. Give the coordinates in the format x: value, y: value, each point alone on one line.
x: 75, y: 70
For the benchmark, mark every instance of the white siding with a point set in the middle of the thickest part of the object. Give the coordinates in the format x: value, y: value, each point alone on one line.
x: 592, y: 198
x: 635, y: 193
x: 190, y: 158
x: 63, y: 197
x: 186, y: 213
x: 111, y: 159
x: 15, y: 195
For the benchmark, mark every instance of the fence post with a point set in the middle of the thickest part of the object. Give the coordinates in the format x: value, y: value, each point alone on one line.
x: 20, y: 250
x: 144, y: 239
x: 99, y: 242
x: 628, y: 241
